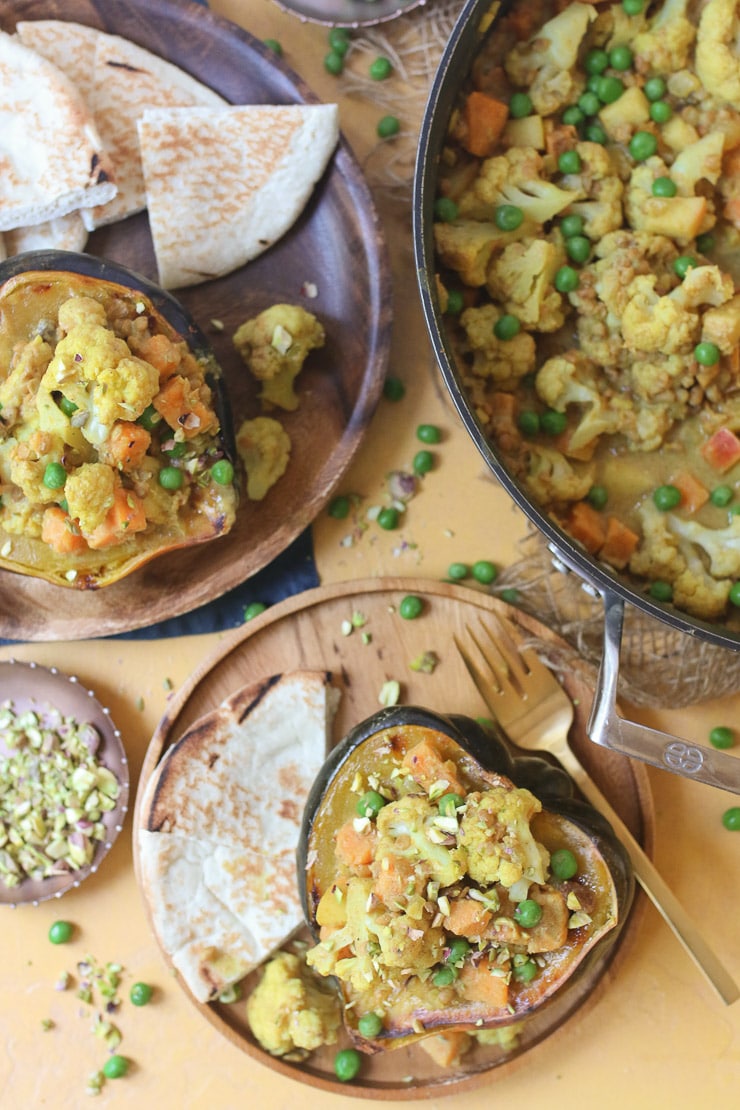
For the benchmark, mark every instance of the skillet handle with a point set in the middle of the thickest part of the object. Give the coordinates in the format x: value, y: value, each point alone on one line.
x: 659, y: 749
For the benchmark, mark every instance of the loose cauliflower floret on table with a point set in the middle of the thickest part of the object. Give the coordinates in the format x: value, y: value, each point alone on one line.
x: 717, y: 60
x: 274, y: 346
x: 521, y: 278
x: 545, y: 65
x: 666, y: 44
x: 290, y: 1010
x: 264, y: 448
x: 504, y: 361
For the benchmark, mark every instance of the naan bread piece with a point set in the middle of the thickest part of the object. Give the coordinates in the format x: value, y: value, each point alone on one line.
x: 119, y: 80
x: 224, y: 184
x: 220, y: 825
x: 52, y: 159
x: 67, y: 233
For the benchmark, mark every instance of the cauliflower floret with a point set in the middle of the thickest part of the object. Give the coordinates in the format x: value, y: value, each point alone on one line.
x: 28, y: 462
x: 552, y: 478
x: 408, y: 941
x: 573, y: 379
x: 264, y: 448
x: 721, y: 325
x: 289, y: 1009
x: 327, y: 957
x: 717, y: 61
x: 544, y: 65
x: 722, y: 545
x: 466, y: 246
x: 80, y: 310
x: 89, y: 492
x: 653, y: 323
x: 274, y: 346
x: 515, y: 177
x: 701, y: 161
x: 503, y: 360
x: 666, y: 44
x: 18, y: 390
x: 704, y: 285
x: 495, y: 832
x: 680, y: 218
x: 600, y: 191
x: 521, y: 279
x: 412, y: 818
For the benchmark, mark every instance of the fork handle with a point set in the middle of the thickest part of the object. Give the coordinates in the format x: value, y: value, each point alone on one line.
x: 655, y: 887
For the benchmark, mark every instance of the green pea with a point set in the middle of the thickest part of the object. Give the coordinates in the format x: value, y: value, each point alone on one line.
x: 595, y: 133
x: 566, y: 279
x: 593, y: 83
x: 666, y: 497
x: 633, y: 7
x: 393, y: 389
x: 253, y: 610
x: 458, y: 571
x: 370, y: 1024
x: 683, y: 264
x: 455, y: 302
x: 484, y: 571
x: 347, y: 1064
x: 525, y: 972
x: 411, y: 607
x: 654, y: 88
x: 731, y: 818
x: 388, y: 519
x: 449, y: 804
x: 660, y: 590
x: 115, y: 1067
x: 61, y: 932
x: 170, y: 477
x: 573, y: 116
x: 589, y: 103
x: 388, y: 126
x: 597, y: 497
x: 721, y: 496
x: 380, y: 69
x: 507, y: 217
x: 510, y: 595
x: 506, y: 327
x: 596, y: 61
x: 528, y: 913
x: 445, y: 976
x: 445, y: 209
x: 705, y: 242
x: 334, y: 63
x: 339, y: 507
x: 707, y: 354
x: 528, y: 422
x: 370, y: 804
x: 643, y: 145
x: 610, y: 89
x: 620, y: 58
x: 339, y: 40
x: 571, y: 225
x: 660, y: 111
x: 149, y: 418
x: 428, y: 433
x: 275, y: 46
x: 578, y: 248
x: 569, y: 162
x: 563, y: 863
x: 734, y: 594
x: 423, y: 462
x: 553, y: 423
x: 54, y: 476
x: 67, y: 406
x: 222, y: 472
x: 140, y: 994
x: 664, y: 187
x: 722, y: 737
x: 458, y: 950
x: 520, y: 105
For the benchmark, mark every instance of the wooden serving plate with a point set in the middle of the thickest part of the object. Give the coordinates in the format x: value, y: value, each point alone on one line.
x: 307, y: 632
x: 337, y: 244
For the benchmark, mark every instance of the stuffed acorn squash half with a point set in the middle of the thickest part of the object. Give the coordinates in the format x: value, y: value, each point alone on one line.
x: 449, y: 886
x: 111, y: 445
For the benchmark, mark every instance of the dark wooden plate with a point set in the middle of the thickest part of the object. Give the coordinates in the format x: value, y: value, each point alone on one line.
x: 337, y: 244
x: 306, y: 632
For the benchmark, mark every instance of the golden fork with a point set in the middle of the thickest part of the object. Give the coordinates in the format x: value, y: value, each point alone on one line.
x: 535, y: 712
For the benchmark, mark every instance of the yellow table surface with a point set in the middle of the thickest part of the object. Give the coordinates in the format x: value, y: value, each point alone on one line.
x: 658, y: 1037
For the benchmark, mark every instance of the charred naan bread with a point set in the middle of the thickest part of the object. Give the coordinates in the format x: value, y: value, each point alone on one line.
x: 52, y: 157
x: 224, y: 184
x: 118, y: 79
x: 220, y: 824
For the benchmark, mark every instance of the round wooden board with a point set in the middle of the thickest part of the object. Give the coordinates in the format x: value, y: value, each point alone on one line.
x: 337, y: 244
x: 306, y: 632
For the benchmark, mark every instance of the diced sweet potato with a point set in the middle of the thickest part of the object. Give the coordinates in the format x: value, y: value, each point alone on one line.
x: 479, y: 984
x: 485, y: 118
x: 447, y: 1048
x: 125, y: 516
x: 722, y: 450
x: 164, y: 355
x: 355, y: 848
x: 393, y: 877
x: 619, y: 545
x: 179, y: 404
x: 427, y: 766
x: 128, y: 444
x: 694, y: 493
x: 587, y: 525
x: 467, y: 917
x: 60, y: 531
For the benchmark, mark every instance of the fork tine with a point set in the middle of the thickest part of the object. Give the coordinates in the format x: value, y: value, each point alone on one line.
x: 508, y: 652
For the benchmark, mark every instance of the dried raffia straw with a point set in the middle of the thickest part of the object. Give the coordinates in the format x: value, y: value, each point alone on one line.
x: 659, y: 665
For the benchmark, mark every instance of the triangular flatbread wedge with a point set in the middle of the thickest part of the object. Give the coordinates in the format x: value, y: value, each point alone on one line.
x: 66, y: 233
x: 52, y: 159
x: 224, y: 184
x: 119, y: 80
x: 220, y: 823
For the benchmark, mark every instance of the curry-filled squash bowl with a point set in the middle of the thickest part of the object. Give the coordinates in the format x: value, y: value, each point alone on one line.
x: 449, y: 886
x: 112, y: 445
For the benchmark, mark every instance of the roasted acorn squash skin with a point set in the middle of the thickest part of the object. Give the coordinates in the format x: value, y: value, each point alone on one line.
x: 566, y: 821
x: 45, y: 272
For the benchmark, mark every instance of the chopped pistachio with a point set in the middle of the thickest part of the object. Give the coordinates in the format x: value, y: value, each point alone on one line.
x: 231, y: 994
x: 359, y: 620
x: 426, y: 662
x: 390, y: 692
x: 346, y: 628
x: 47, y: 1024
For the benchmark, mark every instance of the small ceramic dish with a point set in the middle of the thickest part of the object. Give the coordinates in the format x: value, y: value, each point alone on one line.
x: 29, y: 686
